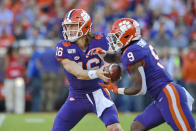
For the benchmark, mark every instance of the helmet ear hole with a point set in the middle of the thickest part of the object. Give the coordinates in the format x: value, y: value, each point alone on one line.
x: 127, y: 36
x: 118, y: 34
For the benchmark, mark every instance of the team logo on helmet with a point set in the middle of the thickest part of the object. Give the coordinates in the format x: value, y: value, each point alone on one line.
x: 85, y: 16
x: 124, y: 26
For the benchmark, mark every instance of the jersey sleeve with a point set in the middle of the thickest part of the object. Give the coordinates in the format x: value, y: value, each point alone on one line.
x: 132, y: 55
x: 61, y: 51
x: 103, y: 41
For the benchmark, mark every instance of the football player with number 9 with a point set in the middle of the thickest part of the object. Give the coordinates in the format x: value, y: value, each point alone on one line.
x: 172, y: 103
x: 84, y: 72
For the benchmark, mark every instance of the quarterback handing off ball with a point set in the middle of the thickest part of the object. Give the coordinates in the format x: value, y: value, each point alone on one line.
x: 113, y: 72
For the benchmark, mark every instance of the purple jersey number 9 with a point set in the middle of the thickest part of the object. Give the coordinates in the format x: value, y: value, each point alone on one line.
x: 130, y: 56
x: 154, y: 54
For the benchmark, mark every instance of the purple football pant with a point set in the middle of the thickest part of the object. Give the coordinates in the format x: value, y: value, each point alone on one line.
x: 76, y: 107
x: 171, y: 106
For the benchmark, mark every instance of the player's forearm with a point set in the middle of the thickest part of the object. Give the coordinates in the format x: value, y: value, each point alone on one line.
x: 79, y: 72
x: 88, y: 75
x: 82, y: 75
x: 112, y: 57
x: 76, y: 70
x: 135, y: 89
x: 131, y: 91
x: 128, y: 91
x: 139, y: 85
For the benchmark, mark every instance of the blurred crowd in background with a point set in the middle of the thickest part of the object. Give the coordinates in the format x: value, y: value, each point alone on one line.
x: 32, y: 80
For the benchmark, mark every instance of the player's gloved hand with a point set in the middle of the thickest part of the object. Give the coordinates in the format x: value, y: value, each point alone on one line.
x: 100, y: 73
x: 110, y: 86
x: 96, y: 51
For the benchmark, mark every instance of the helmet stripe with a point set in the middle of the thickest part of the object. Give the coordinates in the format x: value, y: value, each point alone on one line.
x: 69, y: 14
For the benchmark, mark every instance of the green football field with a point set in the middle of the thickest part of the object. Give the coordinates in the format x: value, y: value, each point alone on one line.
x: 44, y: 121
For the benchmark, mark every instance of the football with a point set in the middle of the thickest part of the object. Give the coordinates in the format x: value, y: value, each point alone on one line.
x: 113, y: 72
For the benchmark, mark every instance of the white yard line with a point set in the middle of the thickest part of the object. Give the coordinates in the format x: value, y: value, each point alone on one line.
x: 34, y: 120
x: 2, y: 118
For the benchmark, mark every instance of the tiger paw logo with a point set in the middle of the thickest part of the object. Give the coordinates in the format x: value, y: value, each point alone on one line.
x: 85, y: 16
x: 124, y: 25
x: 98, y: 36
x: 66, y: 43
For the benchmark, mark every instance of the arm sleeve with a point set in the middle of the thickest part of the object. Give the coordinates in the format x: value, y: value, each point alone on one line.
x: 62, y: 52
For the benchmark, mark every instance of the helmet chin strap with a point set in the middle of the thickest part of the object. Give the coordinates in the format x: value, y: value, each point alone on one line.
x: 73, y: 38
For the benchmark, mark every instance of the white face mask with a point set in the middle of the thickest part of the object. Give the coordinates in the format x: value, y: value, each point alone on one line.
x: 114, y: 42
x: 73, y: 33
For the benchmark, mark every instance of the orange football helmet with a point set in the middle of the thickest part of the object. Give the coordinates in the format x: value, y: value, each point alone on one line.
x: 123, y: 32
x: 79, y: 17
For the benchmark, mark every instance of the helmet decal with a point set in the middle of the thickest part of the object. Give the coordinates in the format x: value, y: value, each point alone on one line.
x: 123, y: 32
x: 124, y: 25
x: 69, y: 14
x: 85, y: 16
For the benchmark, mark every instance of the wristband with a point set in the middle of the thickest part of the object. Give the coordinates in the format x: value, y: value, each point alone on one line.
x: 121, y: 91
x: 92, y: 74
